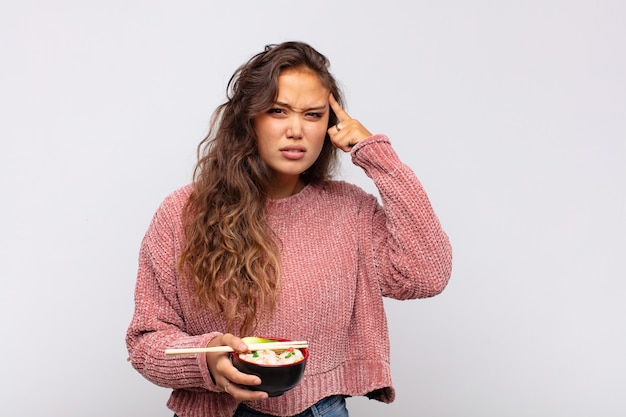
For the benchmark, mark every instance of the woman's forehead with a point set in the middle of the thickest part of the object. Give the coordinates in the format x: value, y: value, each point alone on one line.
x: 301, y: 90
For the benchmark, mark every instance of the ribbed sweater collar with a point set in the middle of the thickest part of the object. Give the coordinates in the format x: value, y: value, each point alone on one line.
x: 289, y: 203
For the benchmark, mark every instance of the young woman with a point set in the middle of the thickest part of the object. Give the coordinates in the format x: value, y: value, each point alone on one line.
x: 265, y: 242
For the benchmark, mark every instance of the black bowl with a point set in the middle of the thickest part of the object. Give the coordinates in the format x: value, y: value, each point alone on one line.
x: 275, y: 379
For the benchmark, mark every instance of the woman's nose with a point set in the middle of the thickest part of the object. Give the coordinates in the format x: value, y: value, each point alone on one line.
x: 294, y: 130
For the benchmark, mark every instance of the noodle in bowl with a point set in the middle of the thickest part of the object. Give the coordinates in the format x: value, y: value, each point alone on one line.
x: 272, y: 357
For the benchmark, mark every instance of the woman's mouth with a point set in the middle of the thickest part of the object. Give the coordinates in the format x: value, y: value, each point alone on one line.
x: 293, y: 152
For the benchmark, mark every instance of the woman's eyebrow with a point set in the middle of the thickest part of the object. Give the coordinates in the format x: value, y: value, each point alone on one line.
x: 314, y: 108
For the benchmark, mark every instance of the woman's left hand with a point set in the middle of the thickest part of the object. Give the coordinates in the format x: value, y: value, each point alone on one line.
x: 348, y: 131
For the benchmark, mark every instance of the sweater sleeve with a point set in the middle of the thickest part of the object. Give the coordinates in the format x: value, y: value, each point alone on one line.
x: 411, y: 252
x: 158, y: 322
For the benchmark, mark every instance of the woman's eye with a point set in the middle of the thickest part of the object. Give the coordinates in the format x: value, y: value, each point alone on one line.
x: 315, y: 115
x: 275, y: 111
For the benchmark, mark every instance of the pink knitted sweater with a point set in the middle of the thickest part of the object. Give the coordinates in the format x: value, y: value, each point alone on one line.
x: 341, y: 253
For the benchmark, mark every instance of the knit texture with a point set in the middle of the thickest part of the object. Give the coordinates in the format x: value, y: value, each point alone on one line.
x: 341, y: 252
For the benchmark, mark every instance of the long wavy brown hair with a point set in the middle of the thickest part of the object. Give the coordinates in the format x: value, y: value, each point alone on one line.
x: 230, y: 252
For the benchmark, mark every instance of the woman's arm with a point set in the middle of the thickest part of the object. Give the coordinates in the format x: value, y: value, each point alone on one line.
x: 412, y: 253
x: 158, y: 321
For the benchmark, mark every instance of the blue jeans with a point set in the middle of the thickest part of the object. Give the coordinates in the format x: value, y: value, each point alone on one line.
x: 333, y: 406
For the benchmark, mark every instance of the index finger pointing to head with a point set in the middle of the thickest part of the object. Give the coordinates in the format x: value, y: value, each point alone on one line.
x: 339, y: 111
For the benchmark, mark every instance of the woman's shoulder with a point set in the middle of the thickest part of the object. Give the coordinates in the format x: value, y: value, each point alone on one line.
x: 339, y: 189
x: 174, y: 203
x: 179, y: 195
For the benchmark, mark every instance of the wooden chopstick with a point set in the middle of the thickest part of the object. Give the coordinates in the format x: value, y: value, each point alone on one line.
x: 251, y: 347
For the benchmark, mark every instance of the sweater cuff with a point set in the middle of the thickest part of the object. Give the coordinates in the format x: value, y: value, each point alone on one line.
x: 204, y: 366
x: 375, y: 154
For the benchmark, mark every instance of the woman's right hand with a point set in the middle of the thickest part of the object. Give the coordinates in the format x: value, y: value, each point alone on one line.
x: 226, y: 376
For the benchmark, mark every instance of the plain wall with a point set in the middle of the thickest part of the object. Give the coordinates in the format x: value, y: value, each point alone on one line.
x: 512, y: 113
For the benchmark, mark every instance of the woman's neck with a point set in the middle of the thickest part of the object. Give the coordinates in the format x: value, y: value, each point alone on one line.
x: 284, y: 189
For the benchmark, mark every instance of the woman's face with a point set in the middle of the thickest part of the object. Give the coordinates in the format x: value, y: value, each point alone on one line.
x: 291, y: 133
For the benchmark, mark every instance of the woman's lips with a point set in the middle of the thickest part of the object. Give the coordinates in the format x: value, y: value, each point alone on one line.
x: 293, y: 152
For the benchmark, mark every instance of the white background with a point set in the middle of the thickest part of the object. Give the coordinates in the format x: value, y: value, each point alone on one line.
x: 512, y: 113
